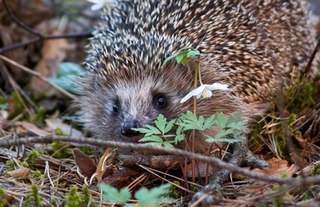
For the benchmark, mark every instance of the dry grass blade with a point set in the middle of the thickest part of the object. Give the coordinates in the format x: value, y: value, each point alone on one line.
x: 66, y: 93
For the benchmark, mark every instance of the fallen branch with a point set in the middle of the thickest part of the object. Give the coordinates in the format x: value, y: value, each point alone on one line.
x: 312, y: 180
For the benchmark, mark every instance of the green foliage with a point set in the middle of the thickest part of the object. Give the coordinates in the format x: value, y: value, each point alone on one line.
x: 39, y: 116
x: 301, y: 95
x: 114, y: 195
x: 10, y: 165
x: 183, y: 56
x: 2, y: 198
x: 145, y: 198
x: 32, y: 156
x: 58, y: 132
x: 153, y: 197
x: 75, y: 198
x: 316, y: 170
x: 230, y: 129
x: 33, y: 199
x: 87, y: 150
x: 3, y: 103
x: 66, y: 76
x: 156, y: 135
x: 61, y: 150
x: 37, y: 175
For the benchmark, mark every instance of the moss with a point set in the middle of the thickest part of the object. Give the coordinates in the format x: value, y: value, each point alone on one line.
x: 10, y: 165
x: 301, y: 96
x: 88, y: 150
x: 37, y: 175
x: 316, y: 170
x: 2, y: 198
x: 255, y: 142
x: 33, y: 198
x: 58, y: 132
x: 32, y: 157
x: 75, y: 198
x: 60, y: 150
x: 278, y: 201
x: 39, y: 116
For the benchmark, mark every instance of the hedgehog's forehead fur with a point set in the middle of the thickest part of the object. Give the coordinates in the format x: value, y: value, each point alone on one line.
x: 130, y: 55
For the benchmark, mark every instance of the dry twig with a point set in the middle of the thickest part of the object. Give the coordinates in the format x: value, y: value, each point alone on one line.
x: 298, y: 181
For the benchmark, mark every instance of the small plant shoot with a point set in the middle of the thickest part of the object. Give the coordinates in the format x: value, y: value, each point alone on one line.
x: 145, y: 197
x: 166, y: 133
x: 183, y: 56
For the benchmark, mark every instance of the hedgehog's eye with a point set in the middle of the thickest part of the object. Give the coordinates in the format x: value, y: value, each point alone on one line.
x: 160, y: 101
x: 116, y: 106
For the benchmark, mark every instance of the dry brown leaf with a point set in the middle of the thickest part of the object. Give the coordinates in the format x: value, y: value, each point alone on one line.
x: 33, y: 128
x: 200, y: 170
x: 53, y: 53
x: 86, y: 165
x: 20, y: 173
x: 278, y: 167
x: 120, y: 177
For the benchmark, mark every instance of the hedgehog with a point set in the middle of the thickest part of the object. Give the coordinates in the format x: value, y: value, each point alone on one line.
x: 255, y: 47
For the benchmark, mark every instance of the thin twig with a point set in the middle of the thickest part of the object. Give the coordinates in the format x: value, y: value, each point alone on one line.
x: 38, y: 75
x: 39, y: 37
x: 18, y: 21
x: 162, y: 178
x: 311, y: 59
x: 49, y: 37
x: 298, y: 181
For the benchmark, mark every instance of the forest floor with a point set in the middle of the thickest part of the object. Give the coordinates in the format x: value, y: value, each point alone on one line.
x: 42, y: 47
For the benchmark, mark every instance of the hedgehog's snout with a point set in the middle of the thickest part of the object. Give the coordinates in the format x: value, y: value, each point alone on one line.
x: 127, y: 127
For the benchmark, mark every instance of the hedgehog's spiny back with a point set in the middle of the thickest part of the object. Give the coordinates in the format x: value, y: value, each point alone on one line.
x: 251, y: 45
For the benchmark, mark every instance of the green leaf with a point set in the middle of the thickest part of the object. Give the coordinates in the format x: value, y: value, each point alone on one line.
x: 209, y: 122
x: 161, y: 122
x: 235, y: 122
x: 169, y: 126
x: 183, y: 56
x: 152, y: 197
x: 66, y: 76
x: 189, y: 121
x: 113, y: 195
x: 178, y: 138
x: 148, y: 130
x: 228, y: 136
x: 167, y: 145
x: 153, y: 130
x: 3, y: 103
x: 69, y: 68
x: 152, y: 138
x: 221, y: 120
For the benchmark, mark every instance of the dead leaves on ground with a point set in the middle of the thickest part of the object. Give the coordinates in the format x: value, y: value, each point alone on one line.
x: 278, y: 167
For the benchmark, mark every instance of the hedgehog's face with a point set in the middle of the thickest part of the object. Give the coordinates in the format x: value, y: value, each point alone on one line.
x: 132, y: 105
x: 114, y: 106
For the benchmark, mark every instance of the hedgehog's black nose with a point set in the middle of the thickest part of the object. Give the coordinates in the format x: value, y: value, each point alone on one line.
x: 127, y: 126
